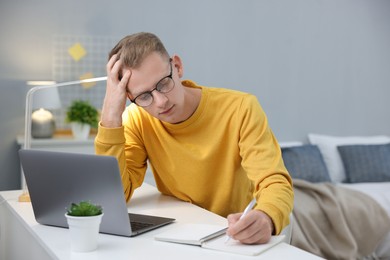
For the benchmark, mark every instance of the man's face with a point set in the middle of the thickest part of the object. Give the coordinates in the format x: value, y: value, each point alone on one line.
x: 167, y: 107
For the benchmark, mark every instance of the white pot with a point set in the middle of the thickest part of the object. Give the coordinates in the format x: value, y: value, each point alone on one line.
x: 80, y: 131
x: 84, y: 232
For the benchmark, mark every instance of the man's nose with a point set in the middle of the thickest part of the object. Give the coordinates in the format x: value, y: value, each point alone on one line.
x: 159, y: 98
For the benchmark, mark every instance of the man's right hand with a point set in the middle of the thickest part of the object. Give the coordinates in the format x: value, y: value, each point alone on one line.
x: 115, y: 99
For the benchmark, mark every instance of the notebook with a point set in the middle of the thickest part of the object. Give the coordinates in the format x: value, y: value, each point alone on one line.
x: 56, y: 179
x: 213, y: 237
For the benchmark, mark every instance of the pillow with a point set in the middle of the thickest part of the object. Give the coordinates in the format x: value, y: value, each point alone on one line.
x: 290, y: 144
x: 366, y: 163
x: 305, y: 162
x: 328, y: 147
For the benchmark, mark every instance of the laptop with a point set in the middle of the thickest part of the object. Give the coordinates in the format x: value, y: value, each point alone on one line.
x: 56, y: 179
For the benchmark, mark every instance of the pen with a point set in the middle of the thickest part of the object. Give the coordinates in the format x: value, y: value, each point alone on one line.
x: 247, y: 209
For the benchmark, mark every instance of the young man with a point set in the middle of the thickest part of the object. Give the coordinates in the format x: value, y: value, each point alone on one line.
x: 208, y: 146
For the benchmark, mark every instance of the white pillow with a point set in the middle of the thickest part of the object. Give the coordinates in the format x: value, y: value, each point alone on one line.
x: 290, y: 144
x: 328, y: 147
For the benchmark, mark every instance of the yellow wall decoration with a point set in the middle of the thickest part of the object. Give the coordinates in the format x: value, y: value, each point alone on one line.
x: 87, y: 85
x: 77, y: 51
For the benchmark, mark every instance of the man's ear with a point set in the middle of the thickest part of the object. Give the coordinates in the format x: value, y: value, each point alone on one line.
x: 178, y: 65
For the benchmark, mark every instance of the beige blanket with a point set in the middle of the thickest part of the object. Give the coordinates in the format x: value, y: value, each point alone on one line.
x: 335, y: 222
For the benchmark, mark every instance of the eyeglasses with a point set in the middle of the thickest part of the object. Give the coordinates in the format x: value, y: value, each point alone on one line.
x: 165, y: 85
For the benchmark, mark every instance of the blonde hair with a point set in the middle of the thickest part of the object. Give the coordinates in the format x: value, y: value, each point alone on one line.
x: 133, y: 49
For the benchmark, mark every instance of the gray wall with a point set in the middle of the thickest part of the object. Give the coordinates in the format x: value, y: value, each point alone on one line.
x: 316, y: 66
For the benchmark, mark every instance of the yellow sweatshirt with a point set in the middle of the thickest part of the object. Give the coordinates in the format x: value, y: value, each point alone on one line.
x: 218, y: 159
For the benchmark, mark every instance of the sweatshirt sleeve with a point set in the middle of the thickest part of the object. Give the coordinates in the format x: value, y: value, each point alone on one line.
x: 112, y: 142
x: 262, y: 160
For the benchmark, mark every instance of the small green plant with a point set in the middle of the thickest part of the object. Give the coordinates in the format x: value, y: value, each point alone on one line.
x: 82, y: 112
x: 84, y: 209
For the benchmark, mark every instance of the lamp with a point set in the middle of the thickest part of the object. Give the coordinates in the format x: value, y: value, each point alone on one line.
x: 42, y: 120
x: 25, y: 197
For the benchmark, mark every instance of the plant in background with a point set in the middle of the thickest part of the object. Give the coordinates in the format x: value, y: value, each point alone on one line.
x: 84, y: 209
x: 82, y: 112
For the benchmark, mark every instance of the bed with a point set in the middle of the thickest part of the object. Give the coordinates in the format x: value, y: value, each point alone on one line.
x: 342, y: 195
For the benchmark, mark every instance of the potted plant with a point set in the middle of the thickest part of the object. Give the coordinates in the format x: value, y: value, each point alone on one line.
x: 82, y: 116
x: 84, y: 221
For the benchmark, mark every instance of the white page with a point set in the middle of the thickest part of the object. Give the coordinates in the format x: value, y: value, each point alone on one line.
x: 193, y: 234
x: 196, y: 234
x: 236, y: 247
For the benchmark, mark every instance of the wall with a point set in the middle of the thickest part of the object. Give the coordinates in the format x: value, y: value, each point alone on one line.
x: 315, y: 65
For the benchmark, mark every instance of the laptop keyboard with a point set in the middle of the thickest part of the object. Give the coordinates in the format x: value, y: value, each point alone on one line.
x: 139, y: 225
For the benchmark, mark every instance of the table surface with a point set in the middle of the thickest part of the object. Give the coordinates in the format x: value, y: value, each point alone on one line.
x: 146, y: 200
x: 57, y: 140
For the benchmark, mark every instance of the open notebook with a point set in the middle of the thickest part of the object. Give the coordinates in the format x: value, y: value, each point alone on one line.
x: 212, y: 237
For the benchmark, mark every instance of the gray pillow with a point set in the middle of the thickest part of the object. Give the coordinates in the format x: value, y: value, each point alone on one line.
x: 366, y: 163
x: 305, y: 162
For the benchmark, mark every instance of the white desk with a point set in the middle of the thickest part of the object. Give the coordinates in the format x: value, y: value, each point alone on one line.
x: 61, y: 143
x: 21, y: 237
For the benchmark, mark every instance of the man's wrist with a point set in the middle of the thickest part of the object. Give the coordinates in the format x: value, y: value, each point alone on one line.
x: 270, y: 222
x: 110, y: 123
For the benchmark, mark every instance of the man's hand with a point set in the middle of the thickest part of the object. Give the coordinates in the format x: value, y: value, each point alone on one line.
x: 255, y: 228
x: 115, y: 99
